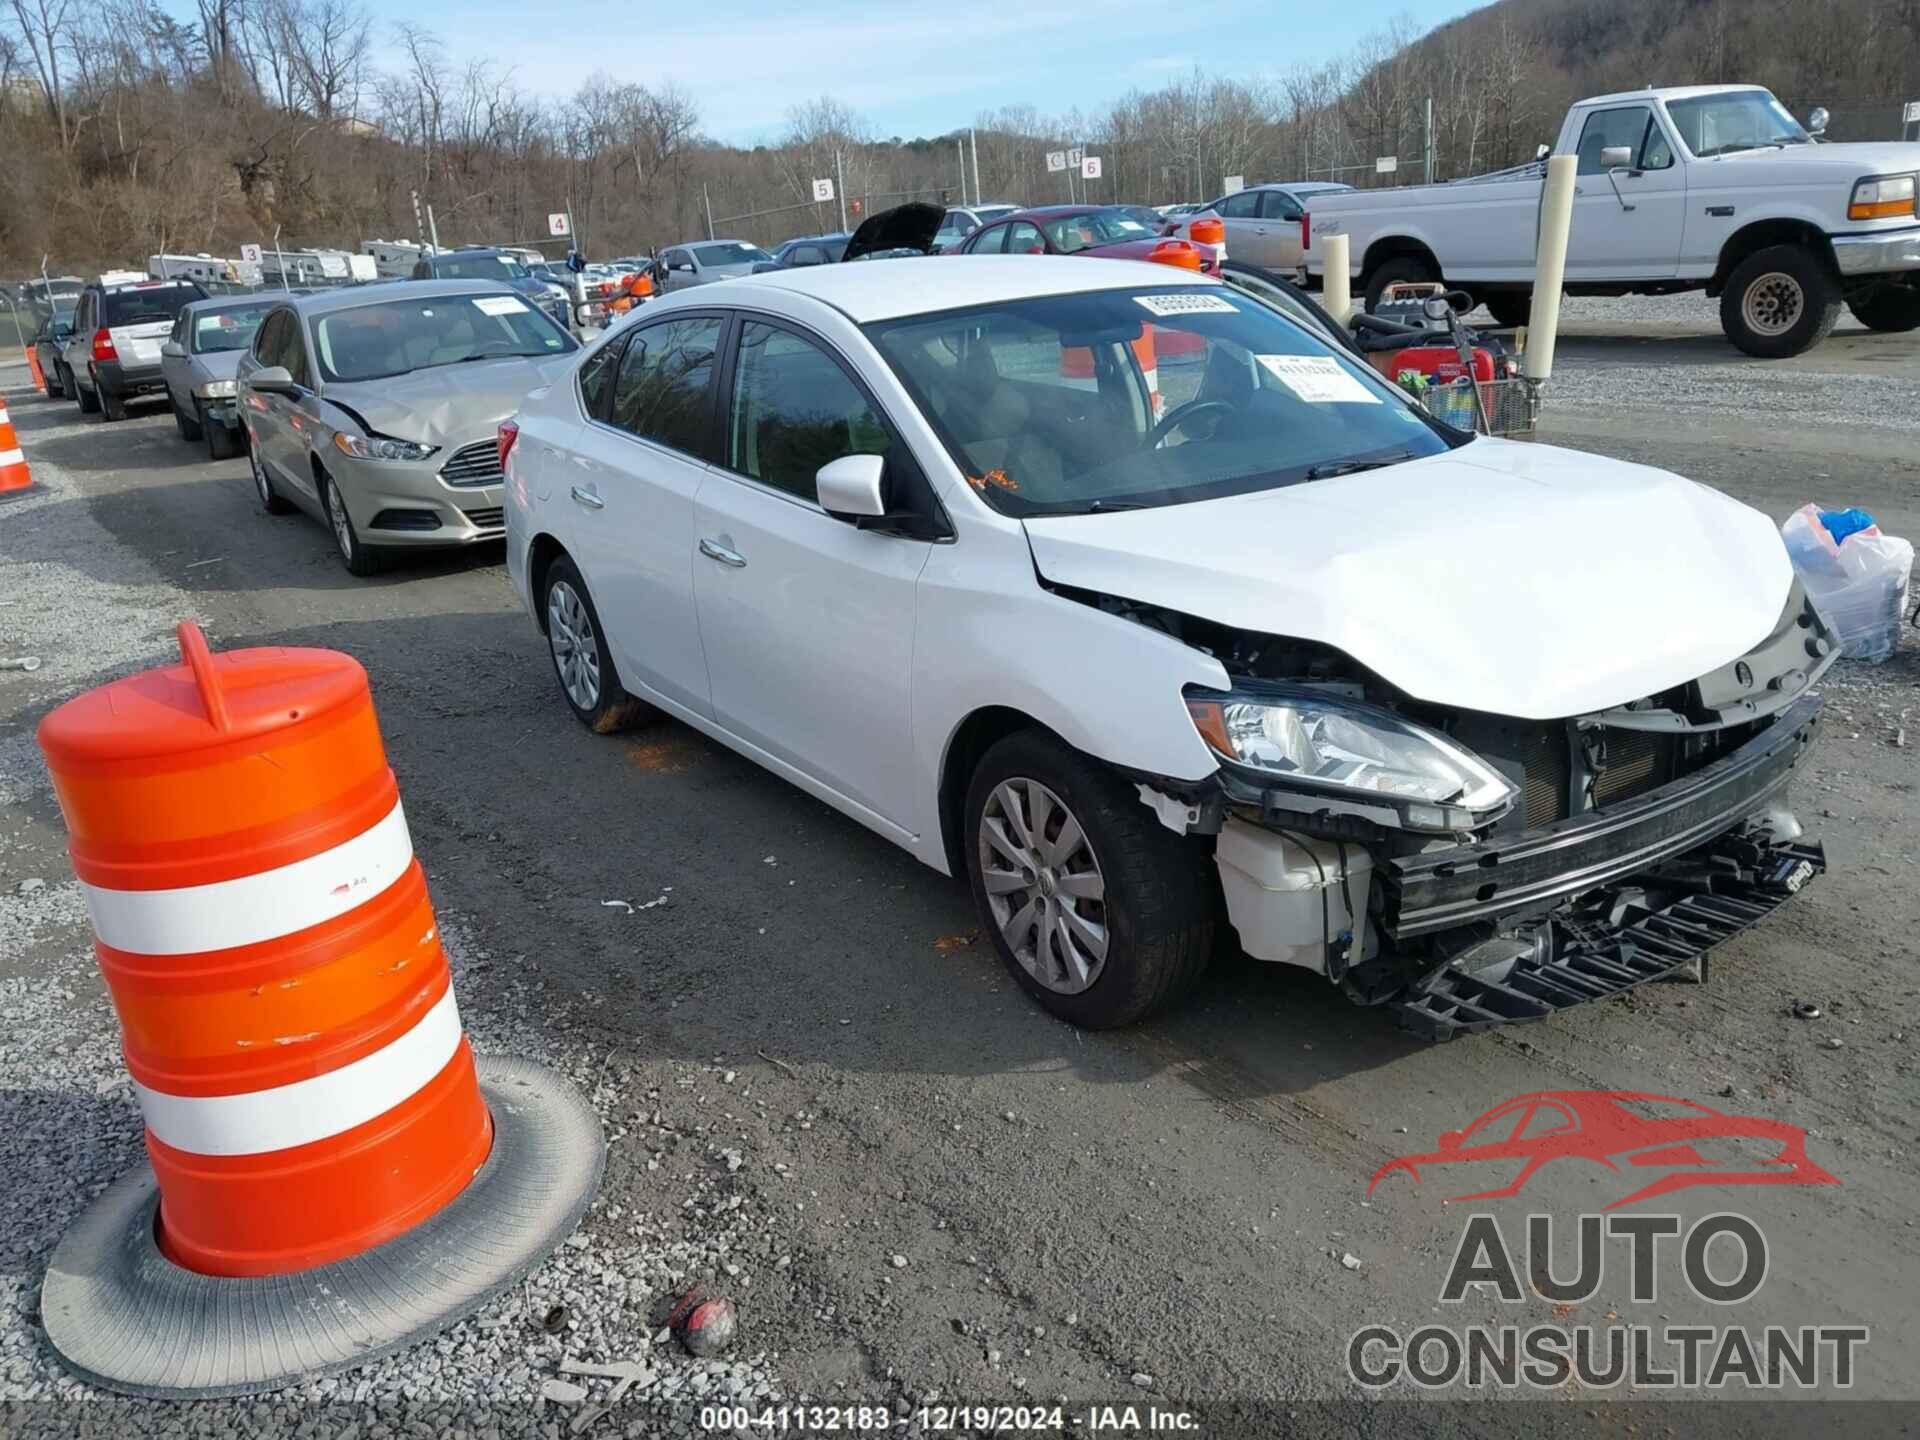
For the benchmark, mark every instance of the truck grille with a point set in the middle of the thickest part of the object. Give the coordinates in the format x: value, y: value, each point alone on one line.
x: 475, y: 464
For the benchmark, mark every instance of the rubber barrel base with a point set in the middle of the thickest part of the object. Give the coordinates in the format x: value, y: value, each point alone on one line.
x: 122, y: 1316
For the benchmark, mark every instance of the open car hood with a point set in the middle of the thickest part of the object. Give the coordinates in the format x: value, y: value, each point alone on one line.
x: 905, y: 227
x: 1513, y: 579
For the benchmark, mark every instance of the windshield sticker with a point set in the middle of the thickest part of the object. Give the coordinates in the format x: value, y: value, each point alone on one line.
x: 1318, y: 379
x: 499, y: 305
x: 1184, y: 304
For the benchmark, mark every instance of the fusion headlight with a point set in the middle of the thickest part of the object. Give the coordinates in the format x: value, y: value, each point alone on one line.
x: 380, y: 447
x: 215, y: 390
x: 1325, y: 745
x: 1883, y: 197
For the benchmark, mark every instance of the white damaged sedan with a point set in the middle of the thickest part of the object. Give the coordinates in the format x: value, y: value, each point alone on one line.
x: 1134, y: 601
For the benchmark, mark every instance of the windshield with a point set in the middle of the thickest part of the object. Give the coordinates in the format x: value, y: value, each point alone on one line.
x: 1117, y: 399
x: 1096, y: 227
x: 370, y: 342
x: 478, y: 267
x: 1734, y: 120
x: 142, y: 304
x: 729, y: 252
x: 227, y: 329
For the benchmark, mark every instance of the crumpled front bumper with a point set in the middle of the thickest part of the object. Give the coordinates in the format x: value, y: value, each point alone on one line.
x: 1444, y: 889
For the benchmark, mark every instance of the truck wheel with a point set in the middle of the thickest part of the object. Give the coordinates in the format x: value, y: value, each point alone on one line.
x: 1101, y: 913
x: 1402, y: 269
x: 1779, y: 301
x: 1889, y: 308
x: 1510, y: 308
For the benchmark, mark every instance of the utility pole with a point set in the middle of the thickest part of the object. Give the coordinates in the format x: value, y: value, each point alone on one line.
x: 1429, y: 139
x: 419, y: 225
x: 708, y: 199
x: 433, y: 230
x: 961, y: 151
x: 280, y: 255
x: 840, y: 186
x: 973, y: 144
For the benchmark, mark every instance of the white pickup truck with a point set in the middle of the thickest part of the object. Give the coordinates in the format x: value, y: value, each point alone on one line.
x: 1704, y: 187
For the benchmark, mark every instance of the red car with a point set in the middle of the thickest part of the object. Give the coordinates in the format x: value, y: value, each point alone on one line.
x: 1107, y: 231
x: 1688, y: 1143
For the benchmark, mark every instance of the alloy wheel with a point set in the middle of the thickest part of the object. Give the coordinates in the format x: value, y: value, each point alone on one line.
x: 1044, y: 885
x: 342, y: 526
x: 1773, y: 304
x: 260, y: 481
x: 576, y: 650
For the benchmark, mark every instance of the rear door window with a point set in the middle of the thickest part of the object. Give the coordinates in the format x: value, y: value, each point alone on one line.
x: 1023, y: 238
x: 665, y: 387
x: 596, y: 379
x: 144, y: 304
x: 1241, y: 205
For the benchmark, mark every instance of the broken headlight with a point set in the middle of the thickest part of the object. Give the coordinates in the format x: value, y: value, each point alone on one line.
x: 1323, y: 744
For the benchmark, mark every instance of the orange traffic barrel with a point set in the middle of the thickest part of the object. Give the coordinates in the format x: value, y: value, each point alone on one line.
x: 14, y: 474
x: 286, y: 1006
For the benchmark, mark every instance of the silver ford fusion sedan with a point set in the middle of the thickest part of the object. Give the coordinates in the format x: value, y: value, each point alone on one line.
x: 375, y: 409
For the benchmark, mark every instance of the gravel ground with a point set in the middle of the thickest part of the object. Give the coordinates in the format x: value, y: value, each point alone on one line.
x: 821, y: 1095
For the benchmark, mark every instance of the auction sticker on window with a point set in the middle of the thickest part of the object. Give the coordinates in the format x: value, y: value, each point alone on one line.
x: 1318, y: 379
x: 499, y: 305
x: 1164, y: 305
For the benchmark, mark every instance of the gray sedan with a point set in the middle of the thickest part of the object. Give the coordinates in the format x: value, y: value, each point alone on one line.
x: 199, y: 361
x: 376, y: 409
x: 706, y: 261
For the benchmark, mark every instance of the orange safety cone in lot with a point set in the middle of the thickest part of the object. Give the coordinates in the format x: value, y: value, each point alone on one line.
x: 14, y: 474
x: 286, y: 1008
x: 34, y: 372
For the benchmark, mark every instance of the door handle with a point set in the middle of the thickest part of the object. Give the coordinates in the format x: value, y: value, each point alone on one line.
x: 713, y: 550
x: 588, y: 498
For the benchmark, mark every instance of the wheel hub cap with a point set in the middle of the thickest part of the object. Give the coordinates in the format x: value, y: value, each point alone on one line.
x: 1044, y: 885
x: 576, y: 653
x: 1773, y: 303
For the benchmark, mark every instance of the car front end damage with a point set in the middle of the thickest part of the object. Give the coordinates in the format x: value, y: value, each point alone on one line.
x: 1472, y: 870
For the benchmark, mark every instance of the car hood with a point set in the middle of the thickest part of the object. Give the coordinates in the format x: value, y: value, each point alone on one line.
x: 1514, y: 579
x: 218, y: 364
x: 448, y: 404
x: 905, y: 227
x: 1856, y: 158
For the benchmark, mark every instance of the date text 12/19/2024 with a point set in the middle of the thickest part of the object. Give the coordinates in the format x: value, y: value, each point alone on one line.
x: 937, y: 1419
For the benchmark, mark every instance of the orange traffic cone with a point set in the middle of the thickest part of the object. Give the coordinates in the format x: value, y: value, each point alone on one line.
x: 34, y: 372
x: 14, y: 474
x: 313, y: 1109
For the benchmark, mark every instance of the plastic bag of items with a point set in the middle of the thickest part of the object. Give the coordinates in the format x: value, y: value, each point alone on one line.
x: 1854, y: 574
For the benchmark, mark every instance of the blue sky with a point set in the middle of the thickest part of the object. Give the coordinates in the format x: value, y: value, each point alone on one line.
x: 910, y: 67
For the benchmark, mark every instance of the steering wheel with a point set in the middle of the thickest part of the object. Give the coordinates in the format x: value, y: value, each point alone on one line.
x: 1179, y: 416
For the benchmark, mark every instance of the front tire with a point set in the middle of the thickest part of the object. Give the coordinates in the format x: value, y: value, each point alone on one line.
x: 359, y: 559
x: 1890, y: 309
x: 189, y: 424
x: 55, y: 389
x: 223, y: 442
x: 1101, y: 913
x: 271, y: 499
x: 1780, y: 301
x: 581, y: 659
x: 1509, y: 308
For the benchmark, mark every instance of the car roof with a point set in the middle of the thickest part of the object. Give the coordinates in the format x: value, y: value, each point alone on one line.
x: 1671, y: 92
x: 886, y: 292
x: 252, y: 300
x: 352, y: 297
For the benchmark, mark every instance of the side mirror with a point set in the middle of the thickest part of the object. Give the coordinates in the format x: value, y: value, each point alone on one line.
x: 173, y: 350
x: 850, y: 488
x: 273, y: 380
x: 1617, y: 157
x: 686, y: 265
x: 1817, y: 121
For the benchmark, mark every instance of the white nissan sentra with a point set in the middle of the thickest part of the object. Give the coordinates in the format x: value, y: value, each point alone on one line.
x: 1145, y: 607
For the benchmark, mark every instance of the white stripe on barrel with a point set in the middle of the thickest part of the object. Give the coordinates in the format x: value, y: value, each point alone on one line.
x: 259, y: 907
x: 11, y: 457
x: 263, y: 1121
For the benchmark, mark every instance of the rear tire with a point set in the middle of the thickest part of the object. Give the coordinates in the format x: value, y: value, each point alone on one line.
x: 1400, y: 269
x: 1509, y: 308
x: 189, y: 424
x: 1890, y: 309
x: 589, y: 681
x: 1780, y: 301
x: 1128, y: 893
x: 88, y: 400
x: 361, y: 560
x: 56, y: 390
x: 112, y: 406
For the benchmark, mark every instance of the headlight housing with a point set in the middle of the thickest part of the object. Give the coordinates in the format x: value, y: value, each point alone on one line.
x: 1373, y: 759
x: 1882, y: 197
x: 215, y: 390
x: 380, y: 447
